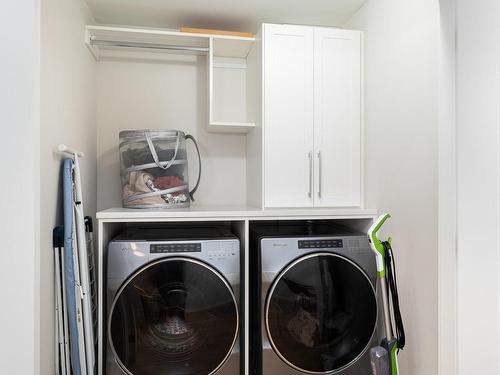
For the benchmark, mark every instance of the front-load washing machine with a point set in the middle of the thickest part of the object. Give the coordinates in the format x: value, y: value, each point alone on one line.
x: 315, y: 305
x: 173, y: 302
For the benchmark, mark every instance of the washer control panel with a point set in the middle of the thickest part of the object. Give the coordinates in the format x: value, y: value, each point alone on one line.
x: 126, y: 256
x: 222, y: 250
x: 321, y: 244
x: 167, y: 248
x: 211, y: 250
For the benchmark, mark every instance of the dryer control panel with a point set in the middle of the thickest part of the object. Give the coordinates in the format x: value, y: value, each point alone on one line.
x: 278, y: 251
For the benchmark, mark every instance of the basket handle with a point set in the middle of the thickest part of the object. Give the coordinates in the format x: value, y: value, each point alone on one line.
x: 162, y: 165
x: 191, y: 193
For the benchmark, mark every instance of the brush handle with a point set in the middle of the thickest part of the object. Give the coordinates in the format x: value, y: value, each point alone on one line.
x: 392, y: 348
x: 376, y: 244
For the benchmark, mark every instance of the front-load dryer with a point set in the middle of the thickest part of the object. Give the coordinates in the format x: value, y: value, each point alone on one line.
x: 315, y: 305
x: 173, y: 302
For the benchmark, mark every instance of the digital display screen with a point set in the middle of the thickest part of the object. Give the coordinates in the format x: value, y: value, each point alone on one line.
x: 175, y: 248
x: 320, y: 244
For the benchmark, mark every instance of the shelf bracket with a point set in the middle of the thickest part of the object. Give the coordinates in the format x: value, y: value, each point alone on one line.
x: 94, y: 50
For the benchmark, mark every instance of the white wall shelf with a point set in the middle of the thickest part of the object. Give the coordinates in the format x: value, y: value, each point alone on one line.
x: 230, y: 127
x: 112, y: 37
x: 238, y: 213
x: 227, y: 86
x: 226, y: 65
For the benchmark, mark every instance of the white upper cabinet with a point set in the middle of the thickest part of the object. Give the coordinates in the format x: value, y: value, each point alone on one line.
x: 312, y: 135
x: 288, y: 115
x: 337, y: 117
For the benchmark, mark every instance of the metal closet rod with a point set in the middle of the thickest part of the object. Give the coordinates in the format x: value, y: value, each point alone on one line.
x: 109, y: 43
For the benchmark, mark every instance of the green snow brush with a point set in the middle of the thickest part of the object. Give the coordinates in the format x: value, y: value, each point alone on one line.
x: 386, y: 271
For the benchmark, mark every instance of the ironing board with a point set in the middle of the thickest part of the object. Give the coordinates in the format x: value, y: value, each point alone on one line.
x: 71, y: 276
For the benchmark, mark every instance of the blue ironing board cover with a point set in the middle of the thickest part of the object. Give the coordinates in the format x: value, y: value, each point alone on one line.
x: 69, y: 271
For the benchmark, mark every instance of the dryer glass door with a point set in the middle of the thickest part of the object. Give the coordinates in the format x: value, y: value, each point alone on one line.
x: 174, y: 316
x: 321, y: 313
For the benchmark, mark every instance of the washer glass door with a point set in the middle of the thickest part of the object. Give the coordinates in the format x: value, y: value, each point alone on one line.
x: 174, y: 316
x: 321, y: 313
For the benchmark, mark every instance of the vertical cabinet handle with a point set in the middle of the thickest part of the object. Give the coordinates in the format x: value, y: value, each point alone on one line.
x: 320, y: 170
x: 309, y: 194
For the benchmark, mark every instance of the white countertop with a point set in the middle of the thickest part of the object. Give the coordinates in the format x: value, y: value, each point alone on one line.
x: 232, y: 212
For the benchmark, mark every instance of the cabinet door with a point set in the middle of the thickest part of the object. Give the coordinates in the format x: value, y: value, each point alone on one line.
x: 288, y: 115
x: 337, y: 117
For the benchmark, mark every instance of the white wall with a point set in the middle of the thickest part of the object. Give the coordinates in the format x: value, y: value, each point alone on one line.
x: 164, y: 92
x: 447, y: 262
x: 478, y: 220
x: 67, y: 116
x: 19, y: 188
x: 401, y: 156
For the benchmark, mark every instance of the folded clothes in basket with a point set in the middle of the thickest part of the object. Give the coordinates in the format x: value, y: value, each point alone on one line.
x: 137, y: 185
x: 142, y: 189
x: 167, y: 182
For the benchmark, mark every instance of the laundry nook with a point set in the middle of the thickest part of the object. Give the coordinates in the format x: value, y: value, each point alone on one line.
x: 233, y: 187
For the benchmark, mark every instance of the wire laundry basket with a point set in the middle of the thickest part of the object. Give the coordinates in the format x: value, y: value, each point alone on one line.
x: 154, y: 169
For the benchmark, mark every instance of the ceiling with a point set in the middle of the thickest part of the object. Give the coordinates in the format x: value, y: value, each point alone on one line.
x: 236, y: 15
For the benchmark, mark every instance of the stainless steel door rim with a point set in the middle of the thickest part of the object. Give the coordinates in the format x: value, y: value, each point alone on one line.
x: 283, y: 272
x: 212, y: 270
